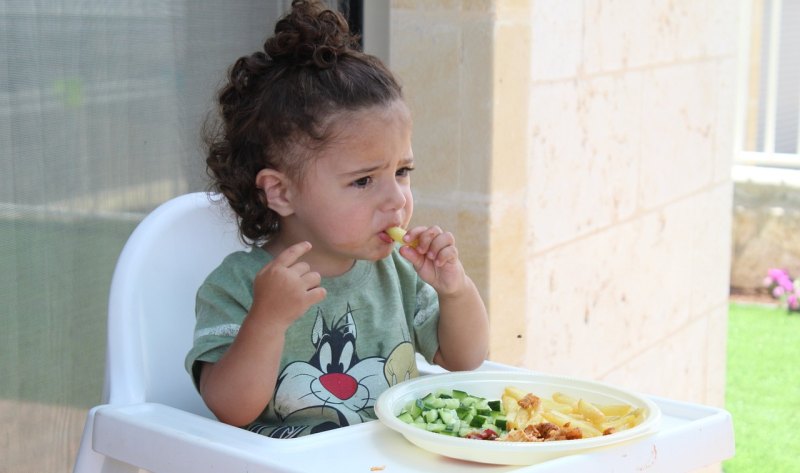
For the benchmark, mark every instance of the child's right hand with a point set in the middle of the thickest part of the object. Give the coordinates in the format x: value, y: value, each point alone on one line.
x: 285, y: 288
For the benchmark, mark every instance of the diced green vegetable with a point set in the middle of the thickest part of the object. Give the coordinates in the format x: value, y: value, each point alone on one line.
x: 435, y: 427
x: 431, y: 415
x: 500, y: 422
x: 477, y: 421
x: 454, y: 412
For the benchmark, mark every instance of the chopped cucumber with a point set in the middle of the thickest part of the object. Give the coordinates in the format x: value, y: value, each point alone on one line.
x: 435, y: 427
x: 431, y: 415
x: 477, y: 421
x: 463, y: 412
x: 448, y: 416
x: 454, y: 412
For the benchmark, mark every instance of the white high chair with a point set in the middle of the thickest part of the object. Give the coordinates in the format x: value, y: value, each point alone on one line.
x: 152, y: 416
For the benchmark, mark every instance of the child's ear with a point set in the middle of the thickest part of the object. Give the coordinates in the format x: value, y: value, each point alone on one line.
x: 275, y: 186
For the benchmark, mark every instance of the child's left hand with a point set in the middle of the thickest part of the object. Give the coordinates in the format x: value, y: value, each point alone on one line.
x: 435, y: 258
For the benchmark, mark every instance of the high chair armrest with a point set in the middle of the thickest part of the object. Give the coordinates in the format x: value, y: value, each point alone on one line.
x: 161, y: 438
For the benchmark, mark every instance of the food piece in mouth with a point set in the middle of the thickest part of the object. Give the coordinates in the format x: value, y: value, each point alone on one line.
x: 397, y: 235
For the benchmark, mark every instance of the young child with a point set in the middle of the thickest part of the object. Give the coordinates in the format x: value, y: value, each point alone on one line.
x: 302, y: 333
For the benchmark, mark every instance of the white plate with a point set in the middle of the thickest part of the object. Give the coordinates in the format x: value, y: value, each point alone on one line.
x: 490, y: 385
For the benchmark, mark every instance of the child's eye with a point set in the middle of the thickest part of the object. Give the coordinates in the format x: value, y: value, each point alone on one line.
x: 363, y: 182
x: 404, y: 172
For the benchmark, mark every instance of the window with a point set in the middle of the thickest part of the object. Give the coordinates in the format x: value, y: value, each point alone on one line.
x: 101, y: 103
x: 769, y: 125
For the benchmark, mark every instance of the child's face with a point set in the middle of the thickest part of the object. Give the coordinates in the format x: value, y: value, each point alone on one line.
x: 357, y: 187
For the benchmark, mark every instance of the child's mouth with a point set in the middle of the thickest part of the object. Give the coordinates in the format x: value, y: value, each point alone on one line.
x: 385, y: 237
x: 397, y: 234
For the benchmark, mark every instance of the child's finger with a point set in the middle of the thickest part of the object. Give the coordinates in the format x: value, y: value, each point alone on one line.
x: 311, y: 279
x: 416, y: 259
x: 440, y: 242
x: 424, y: 237
x: 300, y: 268
x: 290, y: 255
x: 412, y: 235
x: 316, y: 295
x: 448, y: 254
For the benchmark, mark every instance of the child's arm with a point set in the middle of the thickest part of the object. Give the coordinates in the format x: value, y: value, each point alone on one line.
x: 463, y: 321
x: 238, y: 387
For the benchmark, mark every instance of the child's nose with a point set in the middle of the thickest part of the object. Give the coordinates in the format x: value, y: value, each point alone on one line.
x: 395, y: 197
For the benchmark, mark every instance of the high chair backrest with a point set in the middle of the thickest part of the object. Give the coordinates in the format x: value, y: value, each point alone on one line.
x: 151, y: 304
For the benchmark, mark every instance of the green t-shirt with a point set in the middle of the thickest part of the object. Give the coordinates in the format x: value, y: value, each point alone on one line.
x: 341, y: 354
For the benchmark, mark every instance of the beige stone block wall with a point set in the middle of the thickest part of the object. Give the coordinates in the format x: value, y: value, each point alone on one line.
x: 766, y: 226
x: 442, y: 53
x: 581, y: 151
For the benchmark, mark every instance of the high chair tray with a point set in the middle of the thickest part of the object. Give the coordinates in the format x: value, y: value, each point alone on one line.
x: 160, y: 438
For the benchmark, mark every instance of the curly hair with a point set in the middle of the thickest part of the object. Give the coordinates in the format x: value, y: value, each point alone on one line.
x: 278, y: 104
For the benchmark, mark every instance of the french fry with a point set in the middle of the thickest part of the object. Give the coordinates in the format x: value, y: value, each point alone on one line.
x: 549, y: 404
x: 510, y: 405
x: 591, y: 412
x: 618, y: 423
x: 558, y: 418
x: 615, y: 409
x: 564, y: 399
x: 588, y: 429
x: 515, y: 393
x: 566, y: 420
x: 522, y: 418
x: 536, y: 419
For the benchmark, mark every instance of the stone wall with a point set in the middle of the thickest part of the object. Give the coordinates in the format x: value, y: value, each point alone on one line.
x: 581, y: 153
x: 766, y: 226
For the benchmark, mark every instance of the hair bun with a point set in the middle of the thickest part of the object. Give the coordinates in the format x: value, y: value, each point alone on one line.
x: 310, y: 35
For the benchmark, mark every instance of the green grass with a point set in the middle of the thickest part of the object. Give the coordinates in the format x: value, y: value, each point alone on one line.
x: 763, y: 389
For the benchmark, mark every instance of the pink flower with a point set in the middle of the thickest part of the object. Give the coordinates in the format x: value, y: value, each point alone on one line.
x: 783, y: 287
x: 776, y: 273
x: 779, y: 277
x: 786, y: 284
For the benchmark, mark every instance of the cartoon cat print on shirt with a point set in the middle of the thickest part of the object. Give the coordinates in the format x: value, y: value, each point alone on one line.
x: 335, y: 384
